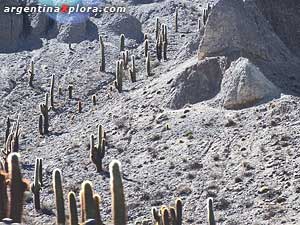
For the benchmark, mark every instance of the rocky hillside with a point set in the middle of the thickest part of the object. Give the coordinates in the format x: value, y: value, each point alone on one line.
x: 218, y: 117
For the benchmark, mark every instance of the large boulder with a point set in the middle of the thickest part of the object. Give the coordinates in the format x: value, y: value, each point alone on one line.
x: 197, y: 81
x: 244, y: 85
x: 11, y: 25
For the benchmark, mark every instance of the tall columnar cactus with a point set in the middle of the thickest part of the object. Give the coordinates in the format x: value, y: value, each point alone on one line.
x: 210, y: 212
x: 52, y: 92
x: 70, y: 91
x: 165, y: 217
x: 79, y: 106
x: 12, y: 142
x: 178, y: 207
x: 165, y: 41
x: 73, y: 215
x: 97, y: 153
x: 159, y: 46
x: 3, y: 196
x: 97, y: 200
x: 126, y: 59
x: 31, y: 73
x: 119, y: 214
x: 59, y: 198
x: 146, y: 47
x: 157, y: 28
x: 102, y: 54
x: 204, y: 16
x: 36, y: 185
x: 82, y: 205
x: 133, y: 69
x: 148, y: 65
x: 173, y: 216
x: 119, y: 75
x: 156, y: 216
x: 176, y: 20
x: 17, y: 188
x: 88, y: 202
x: 199, y: 24
x: 94, y: 100
x: 122, y: 42
x: 7, y: 131
x: 45, y: 119
x: 145, y: 36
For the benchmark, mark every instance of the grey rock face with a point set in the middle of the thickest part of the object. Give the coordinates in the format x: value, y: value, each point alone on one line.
x: 244, y: 85
x: 197, y: 81
x: 11, y: 25
x: 237, y: 27
x: 124, y: 24
x: 39, y: 24
x: 283, y: 15
x: 72, y: 32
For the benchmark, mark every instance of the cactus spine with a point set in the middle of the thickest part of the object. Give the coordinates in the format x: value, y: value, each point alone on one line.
x: 72, y: 209
x: 102, y: 53
x: 59, y: 198
x: 17, y: 188
x: 210, y: 212
x: 148, y: 65
x: 122, y: 42
x: 118, y: 199
x: 52, y: 92
x: 133, y: 69
x: 97, y: 153
x: 36, y: 185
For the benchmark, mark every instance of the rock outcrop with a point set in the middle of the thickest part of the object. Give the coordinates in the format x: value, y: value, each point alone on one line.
x: 11, y: 26
x: 197, y: 81
x: 244, y: 85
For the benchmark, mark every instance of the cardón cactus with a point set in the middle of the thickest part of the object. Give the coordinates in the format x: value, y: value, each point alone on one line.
x: 59, y: 198
x: 119, y: 214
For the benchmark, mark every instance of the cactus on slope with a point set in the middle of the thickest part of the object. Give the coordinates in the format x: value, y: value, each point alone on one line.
x: 52, y: 92
x: 97, y: 201
x: 3, y: 195
x: 122, y: 42
x: 70, y: 91
x: 119, y: 214
x: 176, y: 20
x: 119, y: 75
x: 102, y: 54
x: 148, y: 65
x: 73, y: 215
x: 36, y: 185
x: 31, y: 74
x: 178, y: 208
x: 97, y: 153
x: 17, y: 188
x: 59, y: 198
x: 132, y: 71
x: 146, y: 47
x: 210, y: 212
x: 157, y: 28
x: 88, y: 203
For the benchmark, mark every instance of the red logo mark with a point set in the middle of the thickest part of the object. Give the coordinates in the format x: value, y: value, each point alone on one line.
x: 64, y: 8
